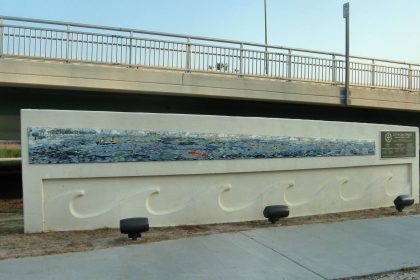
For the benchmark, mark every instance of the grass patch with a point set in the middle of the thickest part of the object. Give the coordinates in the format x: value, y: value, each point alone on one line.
x: 10, y: 153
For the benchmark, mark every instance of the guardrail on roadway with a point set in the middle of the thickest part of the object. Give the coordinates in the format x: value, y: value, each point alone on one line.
x: 83, y: 43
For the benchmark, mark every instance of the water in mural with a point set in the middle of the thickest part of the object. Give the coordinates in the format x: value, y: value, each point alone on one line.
x: 80, y: 145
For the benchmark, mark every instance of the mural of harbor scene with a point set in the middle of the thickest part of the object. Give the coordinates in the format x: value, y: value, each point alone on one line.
x: 80, y: 145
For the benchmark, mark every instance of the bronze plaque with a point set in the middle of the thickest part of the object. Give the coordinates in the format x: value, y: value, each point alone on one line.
x: 398, y: 144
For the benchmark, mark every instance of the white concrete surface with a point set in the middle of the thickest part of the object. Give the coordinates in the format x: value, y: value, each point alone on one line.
x: 94, y: 195
x: 317, y: 251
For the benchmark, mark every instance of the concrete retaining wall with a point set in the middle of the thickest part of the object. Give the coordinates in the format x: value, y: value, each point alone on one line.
x: 77, y: 196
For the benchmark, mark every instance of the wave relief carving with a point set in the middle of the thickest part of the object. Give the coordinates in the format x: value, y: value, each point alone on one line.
x: 216, y: 200
x: 212, y: 196
x: 369, y: 187
x: 288, y: 193
x: 138, y: 200
x: 70, y: 198
x: 81, y: 145
x: 275, y: 187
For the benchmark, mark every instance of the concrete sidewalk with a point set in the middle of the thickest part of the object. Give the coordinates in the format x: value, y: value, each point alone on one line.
x: 317, y: 251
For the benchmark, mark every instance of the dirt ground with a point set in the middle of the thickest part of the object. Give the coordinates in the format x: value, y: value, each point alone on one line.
x: 402, y: 274
x: 15, y: 244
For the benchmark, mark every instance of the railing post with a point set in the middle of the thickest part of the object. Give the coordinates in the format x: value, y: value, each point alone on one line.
x: 67, y: 43
x: 410, y: 77
x: 1, y: 37
x: 188, y: 54
x: 289, y: 65
x: 334, y: 69
x: 241, y: 60
x: 373, y: 74
x: 266, y: 60
x: 131, y: 47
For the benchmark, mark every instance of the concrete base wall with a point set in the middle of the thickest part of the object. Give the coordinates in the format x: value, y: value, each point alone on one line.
x: 94, y: 195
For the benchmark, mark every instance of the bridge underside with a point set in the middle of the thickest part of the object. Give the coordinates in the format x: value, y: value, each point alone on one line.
x: 57, y: 85
x: 16, y: 98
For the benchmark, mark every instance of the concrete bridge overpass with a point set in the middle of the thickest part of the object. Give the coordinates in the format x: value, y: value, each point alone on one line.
x: 63, y: 65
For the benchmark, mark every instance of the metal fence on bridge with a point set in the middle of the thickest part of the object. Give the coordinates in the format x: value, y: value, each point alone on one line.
x: 82, y: 43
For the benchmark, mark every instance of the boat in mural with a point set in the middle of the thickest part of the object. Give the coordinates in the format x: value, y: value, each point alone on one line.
x: 80, y: 145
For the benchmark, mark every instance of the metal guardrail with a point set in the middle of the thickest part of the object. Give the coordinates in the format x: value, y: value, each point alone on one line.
x: 83, y: 43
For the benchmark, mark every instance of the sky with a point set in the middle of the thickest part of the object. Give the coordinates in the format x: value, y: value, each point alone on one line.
x: 387, y: 29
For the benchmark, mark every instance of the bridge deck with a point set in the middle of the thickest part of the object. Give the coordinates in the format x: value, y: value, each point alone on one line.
x: 27, y: 73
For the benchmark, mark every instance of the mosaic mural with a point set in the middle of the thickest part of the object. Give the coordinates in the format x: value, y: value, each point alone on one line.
x: 80, y: 145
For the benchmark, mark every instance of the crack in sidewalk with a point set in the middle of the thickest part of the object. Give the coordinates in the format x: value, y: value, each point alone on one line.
x: 283, y: 255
